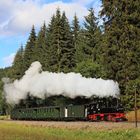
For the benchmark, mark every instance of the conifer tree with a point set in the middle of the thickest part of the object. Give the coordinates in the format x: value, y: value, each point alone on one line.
x: 51, y: 51
x: 40, y: 50
x: 67, y: 61
x: 54, y: 42
x: 87, y: 47
x: 77, y: 40
x: 2, y: 100
x: 92, y: 34
x: 75, y: 30
x: 29, y: 55
x: 121, y: 44
x: 61, y: 49
x: 17, y: 67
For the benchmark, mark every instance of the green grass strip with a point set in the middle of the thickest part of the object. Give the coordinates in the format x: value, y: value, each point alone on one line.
x: 12, y: 131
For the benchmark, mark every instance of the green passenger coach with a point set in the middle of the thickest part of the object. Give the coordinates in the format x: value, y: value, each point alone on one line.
x: 50, y: 113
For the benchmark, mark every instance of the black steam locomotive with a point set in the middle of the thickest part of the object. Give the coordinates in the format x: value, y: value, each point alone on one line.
x: 98, y: 110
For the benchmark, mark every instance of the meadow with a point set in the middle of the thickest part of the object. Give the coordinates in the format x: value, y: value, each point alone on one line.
x: 14, y: 131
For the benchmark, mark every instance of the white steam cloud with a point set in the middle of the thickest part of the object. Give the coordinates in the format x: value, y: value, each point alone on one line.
x: 41, y: 84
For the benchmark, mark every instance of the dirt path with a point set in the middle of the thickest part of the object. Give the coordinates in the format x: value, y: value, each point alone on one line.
x: 78, y: 125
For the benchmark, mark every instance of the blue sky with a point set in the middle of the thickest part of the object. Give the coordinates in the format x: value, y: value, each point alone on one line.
x: 18, y: 16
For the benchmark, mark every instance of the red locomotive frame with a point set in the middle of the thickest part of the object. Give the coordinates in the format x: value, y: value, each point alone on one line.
x: 115, y: 117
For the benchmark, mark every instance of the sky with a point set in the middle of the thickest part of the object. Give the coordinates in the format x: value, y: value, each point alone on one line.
x: 18, y: 16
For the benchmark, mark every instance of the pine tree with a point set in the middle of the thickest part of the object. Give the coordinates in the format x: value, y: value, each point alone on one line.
x: 29, y: 55
x: 17, y: 67
x: 121, y: 43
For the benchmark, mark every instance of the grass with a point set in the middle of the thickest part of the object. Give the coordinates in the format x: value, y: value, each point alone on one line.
x: 5, y: 117
x: 12, y: 131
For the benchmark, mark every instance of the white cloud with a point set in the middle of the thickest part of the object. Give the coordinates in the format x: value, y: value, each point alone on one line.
x: 8, y: 60
x: 17, y: 16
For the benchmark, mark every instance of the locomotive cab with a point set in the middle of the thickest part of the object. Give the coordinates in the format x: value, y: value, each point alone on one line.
x: 106, y: 110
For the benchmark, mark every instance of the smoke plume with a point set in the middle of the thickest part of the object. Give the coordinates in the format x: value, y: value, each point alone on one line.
x: 43, y: 83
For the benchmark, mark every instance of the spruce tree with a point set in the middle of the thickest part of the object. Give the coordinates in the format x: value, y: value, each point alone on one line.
x: 40, y: 50
x: 121, y: 50
x: 17, y: 68
x: 92, y: 34
x: 61, y: 49
x: 29, y: 55
x: 87, y: 49
x: 54, y: 42
x: 67, y: 60
x: 78, y: 41
x: 75, y: 30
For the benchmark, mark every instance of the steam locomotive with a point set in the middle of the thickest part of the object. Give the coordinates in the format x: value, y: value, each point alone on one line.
x: 97, y: 110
